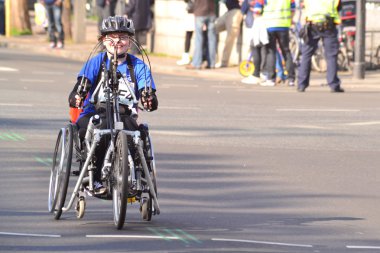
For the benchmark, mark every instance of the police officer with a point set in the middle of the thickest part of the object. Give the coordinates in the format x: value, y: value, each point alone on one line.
x: 321, y: 19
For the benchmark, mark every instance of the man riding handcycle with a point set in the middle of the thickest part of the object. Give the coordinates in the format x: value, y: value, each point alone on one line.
x: 112, y: 152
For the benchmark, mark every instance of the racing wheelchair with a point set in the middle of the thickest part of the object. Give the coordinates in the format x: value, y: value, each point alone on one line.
x: 128, y: 171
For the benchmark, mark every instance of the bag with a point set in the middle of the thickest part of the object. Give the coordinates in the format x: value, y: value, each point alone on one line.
x: 190, y: 6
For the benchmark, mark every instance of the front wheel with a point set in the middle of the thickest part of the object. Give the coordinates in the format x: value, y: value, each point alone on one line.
x: 60, y: 171
x: 120, y: 175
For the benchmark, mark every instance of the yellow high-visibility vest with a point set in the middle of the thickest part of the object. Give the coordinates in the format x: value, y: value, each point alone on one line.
x: 278, y: 13
x: 316, y: 11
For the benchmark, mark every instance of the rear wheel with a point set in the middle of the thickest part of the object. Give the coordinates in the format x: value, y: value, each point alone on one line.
x: 120, y: 175
x: 60, y: 171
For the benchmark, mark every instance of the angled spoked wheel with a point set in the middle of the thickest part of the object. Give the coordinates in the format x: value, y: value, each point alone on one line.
x: 120, y: 175
x: 60, y: 171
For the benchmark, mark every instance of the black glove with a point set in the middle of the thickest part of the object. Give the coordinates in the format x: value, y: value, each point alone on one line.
x: 149, y: 100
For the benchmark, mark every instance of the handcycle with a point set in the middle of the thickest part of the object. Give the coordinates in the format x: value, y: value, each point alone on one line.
x: 128, y: 171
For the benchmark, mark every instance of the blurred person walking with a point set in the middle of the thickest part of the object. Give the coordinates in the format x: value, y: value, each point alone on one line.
x: 321, y: 20
x: 104, y: 9
x: 140, y: 13
x: 230, y: 22
x: 278, y: 15
x: 54, y: 13
x: 204, y: 12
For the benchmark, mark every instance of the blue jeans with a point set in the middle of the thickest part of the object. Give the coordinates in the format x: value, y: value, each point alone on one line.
x: 54, y: 14
x: 331, y: 46
x: 209, y: 21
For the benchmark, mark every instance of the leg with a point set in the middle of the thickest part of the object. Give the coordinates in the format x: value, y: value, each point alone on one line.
x: 57, y: 10
x: 331, y: 46
x: 256, y: 51
x: 211, y: 36
x: 51, y: 27
x: 271, y: 56
x: 286, y: 54
x: 305, y: 65
x: 197, y: 58
x: 234, y: 18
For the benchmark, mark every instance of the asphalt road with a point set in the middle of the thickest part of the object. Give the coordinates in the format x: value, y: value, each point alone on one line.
x: 240, y: 168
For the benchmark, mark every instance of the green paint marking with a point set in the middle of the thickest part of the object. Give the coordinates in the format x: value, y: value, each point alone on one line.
x: 154, y: 231
x: 43, y: 161
x: 188, y: 235
x: 173, y: 234
x: 18, y: 136
x: 10, y: 137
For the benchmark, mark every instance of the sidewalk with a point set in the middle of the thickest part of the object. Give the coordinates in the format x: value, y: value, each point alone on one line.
x: 38, y: 43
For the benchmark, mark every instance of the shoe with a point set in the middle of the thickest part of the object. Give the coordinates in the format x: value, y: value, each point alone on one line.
x: 52, y: 45
x: 185, y: 60
x: 301, y: 89
x: 99, y: 189
x: 278, y: 80
x: 220, y: 65
x: 269, y: 83
x: 291, y: 83
x: 251, y: 80
x: 192, y: 67
x: 263, y: 77
x: 337, y: 89
x: 60, y: 44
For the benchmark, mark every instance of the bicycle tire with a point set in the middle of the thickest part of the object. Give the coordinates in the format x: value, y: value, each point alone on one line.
x: 120, y: 173
x: 60, y: 172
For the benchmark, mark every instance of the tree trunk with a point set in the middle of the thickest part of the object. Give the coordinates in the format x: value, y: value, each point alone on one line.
x: 20, y: 20
x: 66, y: 20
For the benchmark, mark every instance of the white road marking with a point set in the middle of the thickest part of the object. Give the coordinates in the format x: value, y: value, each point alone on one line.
x: 362, y: 247
x: 263, y: 242
x: 47, y: 73
x: 33, y: 235
x: 315, y: 110
x: 134, y: 236
x: 36, y: 80
x: 307, y: 127
x: 8, y: 69
x: 176, y: 133
x: 17, y: 105
x: 179, y: 86
x: 180, y: 108
x: 366, y: 123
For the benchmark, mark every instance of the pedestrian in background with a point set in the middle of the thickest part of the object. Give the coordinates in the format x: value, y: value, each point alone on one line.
x: 230, y: 22
x: 257, y: 42
x: 104, y: 9
x: 204, y: 12
x: 189, y: 21
x: 141, y: 14
x: 54, y: 13
x: 278, y: 15
x: 321, y: 19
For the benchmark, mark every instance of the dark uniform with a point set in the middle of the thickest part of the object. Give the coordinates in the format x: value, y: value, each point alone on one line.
x: 322, y: 17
